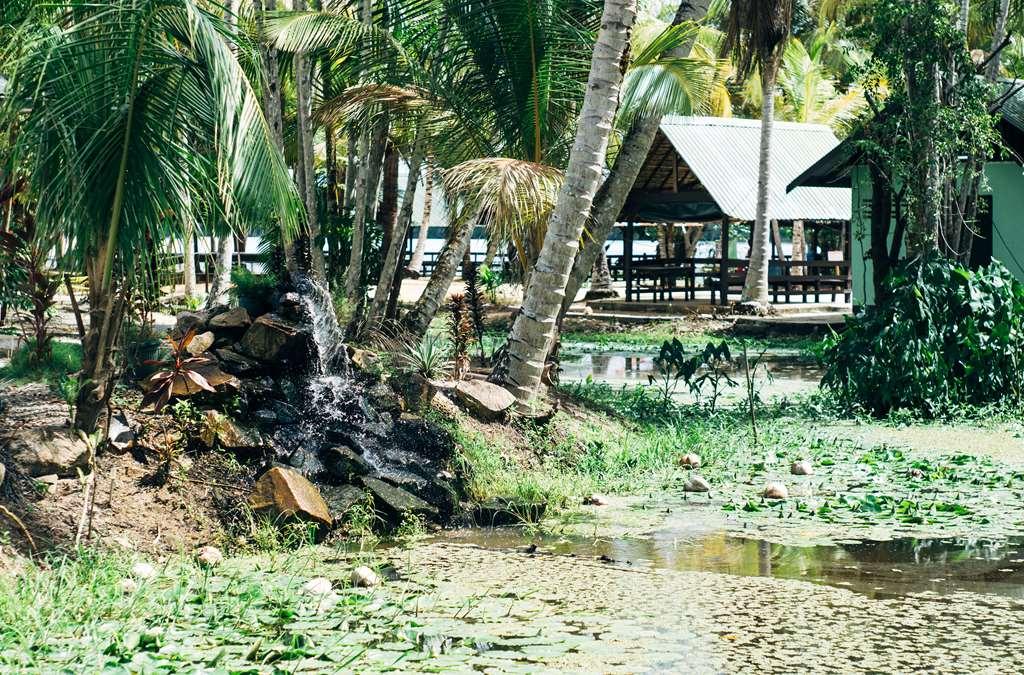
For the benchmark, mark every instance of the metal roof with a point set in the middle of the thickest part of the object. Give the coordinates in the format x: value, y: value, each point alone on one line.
x: 723, y: 154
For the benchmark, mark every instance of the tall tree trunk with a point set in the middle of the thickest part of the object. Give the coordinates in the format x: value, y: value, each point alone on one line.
x: 387, y: 212
x: 600, y: 280
x: 271, y: 91
x: 416, y: 262
x: 311, y: 240
x: 755, y: 288
x: 188, y: 262
x: 222, y: 274
x: 535, y: 325
x: 366, y: 200
x: 616, y: 187
x: 492, y: 250
x: 393, y: 258
x: 418, y: 319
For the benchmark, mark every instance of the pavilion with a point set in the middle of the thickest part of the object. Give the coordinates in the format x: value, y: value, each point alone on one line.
x: 704, y: 170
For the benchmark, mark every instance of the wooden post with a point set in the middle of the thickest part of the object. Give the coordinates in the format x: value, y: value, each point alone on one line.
x: 723, y: 267
x: 627, y: 259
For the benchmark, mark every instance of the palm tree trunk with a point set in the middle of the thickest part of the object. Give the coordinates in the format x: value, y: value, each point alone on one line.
x: 393, y: 257
x: 366, y: 201
x: 616, y: 187
x: 755, y: 288
x: 416, y: 262
x: 535, y: 325
x: 271, y: 91
x: 222, y: 276
x: 418, y: 319
x: 188, y: 262
x: 492, y: 251
x: 307, y: 173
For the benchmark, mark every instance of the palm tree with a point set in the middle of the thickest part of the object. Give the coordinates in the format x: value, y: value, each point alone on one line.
x: 807, y: 90
x: 535, y: 324
x: 757, y: 33
x: 107, y: 176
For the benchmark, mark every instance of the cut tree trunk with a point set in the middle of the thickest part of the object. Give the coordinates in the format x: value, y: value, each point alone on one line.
x: 628, y: 162
x: 601, y: 287
x: 799, y: 247
x: 755, y: 288
x: 535, y: 325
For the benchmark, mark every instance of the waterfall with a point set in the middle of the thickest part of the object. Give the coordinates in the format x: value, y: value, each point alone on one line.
x: 327, y: 333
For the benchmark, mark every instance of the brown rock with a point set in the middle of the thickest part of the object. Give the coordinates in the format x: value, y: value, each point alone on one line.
x: 484, y: 400
x: 200, y: 343
x: 228, y: 433
x: 283, y: 493
x: 236, y: 319
x: 272, y: 339
x: 802, y: 468
x: 775, y: 490
x: 49, y: 450
x: 186, y: 321
x: 696, y: 484
x: 690, y: 461
x: 364, y: 359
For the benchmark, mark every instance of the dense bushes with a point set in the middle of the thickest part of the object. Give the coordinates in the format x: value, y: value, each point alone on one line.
x: 943, y: 337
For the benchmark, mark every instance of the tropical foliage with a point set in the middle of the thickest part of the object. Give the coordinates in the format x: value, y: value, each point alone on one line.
x: 944, y: 337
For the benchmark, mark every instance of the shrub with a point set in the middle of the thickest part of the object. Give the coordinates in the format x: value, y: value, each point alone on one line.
x: 942, y: 337
x: 253, y: 291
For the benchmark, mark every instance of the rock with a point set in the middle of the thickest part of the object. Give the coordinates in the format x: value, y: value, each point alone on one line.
x: 201, y: 343
x: 291, y: 306
x: 364, y: 360
x: 344, y: 462
x: 234, y: 320
x: 802, y: 468
x: 273, y: 340
x: 775, y: 490
x: 485, y: 401
x: 230, y: 435
x: 48, y: 450
x: 384, y: 399
x: 395, y: 502
x: 284, y: 493
x: 596, y: 500
x: 364, y: 577
x: 121, y: 436
x: 210, y: 556
x: 690, y: 461
x: 143, y: 570
x: 317, y: 586
x: 265, y: 418
x: 3, y: 473
x: 235, y: 363
x: 128, y: 586
x: 915, y: 473
x: 186, y: 321
x: 286, y: 413
x: 696, y: 484
x: 341, y: 498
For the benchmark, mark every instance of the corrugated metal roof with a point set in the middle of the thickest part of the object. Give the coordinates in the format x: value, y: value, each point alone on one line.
x: 723, y: 154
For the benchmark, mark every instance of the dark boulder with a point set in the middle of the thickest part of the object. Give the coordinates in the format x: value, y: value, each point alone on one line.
x: 232, y: 322
x: 343, y: 462
x: 277, y: 342
x: 394, y: 503
x: 186, y: 321
x: 237, y: 364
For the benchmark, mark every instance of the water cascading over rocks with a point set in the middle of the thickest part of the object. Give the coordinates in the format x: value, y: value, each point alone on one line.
x: 341, y: 427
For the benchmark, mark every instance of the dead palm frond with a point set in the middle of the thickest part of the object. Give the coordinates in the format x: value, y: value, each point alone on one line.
x: 757, y: 30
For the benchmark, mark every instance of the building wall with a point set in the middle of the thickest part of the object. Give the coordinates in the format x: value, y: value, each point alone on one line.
x: 1004, y: 182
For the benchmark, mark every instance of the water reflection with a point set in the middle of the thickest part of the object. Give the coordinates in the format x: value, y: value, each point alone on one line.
x: 874, y: 568
x: 789, y: 375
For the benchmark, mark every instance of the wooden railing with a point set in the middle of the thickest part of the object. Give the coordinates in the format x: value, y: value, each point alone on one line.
x: 666, y: 279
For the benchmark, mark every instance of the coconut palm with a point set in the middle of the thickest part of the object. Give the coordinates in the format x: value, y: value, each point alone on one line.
x: 109, y: 102
x: 808, y: 92
x: 758, y: 31
x: 535, y: 324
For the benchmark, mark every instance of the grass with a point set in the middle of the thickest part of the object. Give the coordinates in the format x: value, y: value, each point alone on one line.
x: 249, y: 614
x: 65, y: 359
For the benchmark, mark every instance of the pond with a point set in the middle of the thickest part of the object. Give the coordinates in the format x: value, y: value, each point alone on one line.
x: 790, y: 374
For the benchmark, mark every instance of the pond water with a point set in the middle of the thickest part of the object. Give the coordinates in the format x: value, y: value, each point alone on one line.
x: 878, y: 569
x: 790, y: 374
